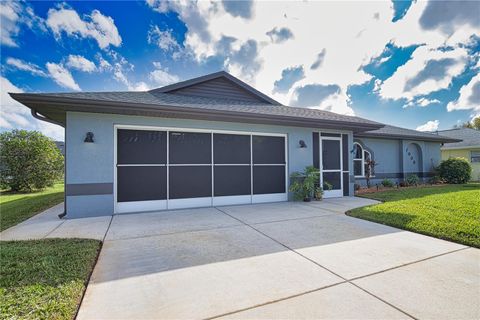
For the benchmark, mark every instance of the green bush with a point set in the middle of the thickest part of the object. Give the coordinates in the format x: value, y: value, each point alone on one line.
x: 455, y: 170
x: 412, y: 180
x: 387, y: 183
x: 29, y: 160
x: 304, y: 184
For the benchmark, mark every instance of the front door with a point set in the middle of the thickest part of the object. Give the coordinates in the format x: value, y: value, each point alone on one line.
x: 331, y: 166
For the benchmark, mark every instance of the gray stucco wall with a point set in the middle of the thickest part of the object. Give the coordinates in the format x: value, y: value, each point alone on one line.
x: 395, y: 163
x: 93, y: 163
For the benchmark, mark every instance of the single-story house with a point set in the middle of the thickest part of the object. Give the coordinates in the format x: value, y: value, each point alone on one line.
x: 468, y: 148
x: 211, y: 141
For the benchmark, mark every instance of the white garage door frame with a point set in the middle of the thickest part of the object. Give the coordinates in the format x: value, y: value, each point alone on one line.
x: 156, y: 205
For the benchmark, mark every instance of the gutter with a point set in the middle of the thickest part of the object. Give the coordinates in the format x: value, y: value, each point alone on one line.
x: 436, y: 138
x: 42, y: 118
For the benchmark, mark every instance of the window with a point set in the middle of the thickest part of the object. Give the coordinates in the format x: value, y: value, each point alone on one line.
x: 360, y: 158
x: 475, y: 156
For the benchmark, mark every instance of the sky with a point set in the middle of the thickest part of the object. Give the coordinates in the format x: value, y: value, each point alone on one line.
x: 413, y: 64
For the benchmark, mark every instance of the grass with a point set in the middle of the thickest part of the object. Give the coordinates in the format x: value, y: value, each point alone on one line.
x: 450, y: 212
x: 44, y: 279
x: 17, y: 207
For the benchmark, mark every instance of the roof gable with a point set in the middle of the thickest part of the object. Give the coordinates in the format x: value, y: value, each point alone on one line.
x: 218, y: 85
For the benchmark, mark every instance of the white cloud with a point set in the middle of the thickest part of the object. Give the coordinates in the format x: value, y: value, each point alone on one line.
x: 96, y: 25
x: 120, y: 67
x: 25, y: 66
x: 336, y: 30
x: 429, y: 126
x: 469, y: 98
x: 163, y: 39
x: 13, y: 16
x: 162, y: 78
x: 14, y: 115
x: 81, y: 63
x: 421, y: 102
x: 62, y: 76
x: 429, y: 70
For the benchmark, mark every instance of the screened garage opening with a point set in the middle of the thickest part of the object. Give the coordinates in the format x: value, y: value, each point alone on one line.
x: 159, y: 169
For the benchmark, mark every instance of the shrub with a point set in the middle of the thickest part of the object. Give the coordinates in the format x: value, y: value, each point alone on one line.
x: 455, y: 170
x: 412, y: 180
x: 29, y: 160
x: 387, y: 183
x: 304, y: 184
x: 356, y: 187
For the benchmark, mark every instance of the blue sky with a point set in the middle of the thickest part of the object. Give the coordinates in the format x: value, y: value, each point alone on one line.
x: 411, y: 64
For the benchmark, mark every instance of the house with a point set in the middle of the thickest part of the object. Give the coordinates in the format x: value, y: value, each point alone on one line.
x: 468, y: 148
x: 211, y: 141
x: 398, y: 153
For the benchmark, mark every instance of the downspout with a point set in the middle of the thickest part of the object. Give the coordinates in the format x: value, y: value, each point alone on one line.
x: 42, y: 118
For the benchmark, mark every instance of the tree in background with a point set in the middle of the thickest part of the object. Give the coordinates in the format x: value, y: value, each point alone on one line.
x: 474, y: 124
x: 29, y: 160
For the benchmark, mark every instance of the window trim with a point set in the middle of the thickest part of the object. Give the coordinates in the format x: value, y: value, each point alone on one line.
x: 362, y: 160
x: 476, y: 155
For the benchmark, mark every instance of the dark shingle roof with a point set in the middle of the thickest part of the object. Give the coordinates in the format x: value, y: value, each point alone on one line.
x: 470, y: 137
x: 157, y: 101
x: 403, y: 133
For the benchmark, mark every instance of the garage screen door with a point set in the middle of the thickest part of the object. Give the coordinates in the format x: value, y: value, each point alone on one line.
x: 177, y: 169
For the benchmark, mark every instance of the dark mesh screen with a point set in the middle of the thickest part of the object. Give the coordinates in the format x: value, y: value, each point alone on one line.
x: 141, y: 183
x: 268, y: 150
x: 331, y: 154
x: 232, y: 180
x: 268, y: 179
x: 190, y: 148
x: 190, y: 182
x: 316, y: 151
x: 333, y: 178
x: 141, y: 147
x: 231, y: 148
x: 345, y: 152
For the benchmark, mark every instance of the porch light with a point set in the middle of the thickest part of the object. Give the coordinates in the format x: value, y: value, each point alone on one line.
x: 302, y: 144
x: 89, y: 137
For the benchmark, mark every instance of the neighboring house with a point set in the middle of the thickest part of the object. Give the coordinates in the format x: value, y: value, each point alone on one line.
x: 468, y: 148
x: 208, y: 141
x: 61, y: 146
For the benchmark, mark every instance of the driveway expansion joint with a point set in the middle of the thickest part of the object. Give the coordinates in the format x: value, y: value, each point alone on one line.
x: 345, y: 280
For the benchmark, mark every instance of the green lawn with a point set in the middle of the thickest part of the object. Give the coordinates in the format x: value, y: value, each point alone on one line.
x: 17, y: 207
x: 449, y: 212
x: 44, y: 279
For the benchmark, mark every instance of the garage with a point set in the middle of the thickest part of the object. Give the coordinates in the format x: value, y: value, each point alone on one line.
x: 163, y: 168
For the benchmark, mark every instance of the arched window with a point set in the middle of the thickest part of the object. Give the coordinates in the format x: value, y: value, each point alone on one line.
x: 360, y: 158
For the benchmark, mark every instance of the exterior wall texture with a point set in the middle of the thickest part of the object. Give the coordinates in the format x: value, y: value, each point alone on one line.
x: 397, y: 158
x: 464, y: 153
x: 90, y: 166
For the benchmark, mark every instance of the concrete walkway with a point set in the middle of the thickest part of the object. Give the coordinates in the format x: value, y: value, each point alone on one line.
x: 283, y: 260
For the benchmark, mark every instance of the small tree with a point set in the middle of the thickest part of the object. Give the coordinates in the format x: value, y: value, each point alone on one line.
x: 455, y: 170
x: 29, y: 160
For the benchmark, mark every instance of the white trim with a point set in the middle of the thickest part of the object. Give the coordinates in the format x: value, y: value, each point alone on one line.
x: 140, y: 206
x: 190, y: 164
x: 459, y: 148
x: 335, y: 192
x: 189, y: 203
x: 268, y: 164
x: 232, y: 164
x: 270, y: 197
x: 142, y: 165
x: 232, y: 200
x: 137, y: 206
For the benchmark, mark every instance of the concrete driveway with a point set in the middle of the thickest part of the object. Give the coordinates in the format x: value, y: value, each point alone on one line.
x: 270, y: 261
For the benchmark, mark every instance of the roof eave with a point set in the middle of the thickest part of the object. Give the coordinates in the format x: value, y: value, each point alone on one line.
x: 37, y: 102
x: 405, y: 137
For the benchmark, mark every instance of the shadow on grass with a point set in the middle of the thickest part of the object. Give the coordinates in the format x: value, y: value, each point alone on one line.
x: 20, y: 209
x: 406, y: 221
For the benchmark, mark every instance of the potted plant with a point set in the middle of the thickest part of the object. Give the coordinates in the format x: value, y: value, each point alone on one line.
x: 303, y: 184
